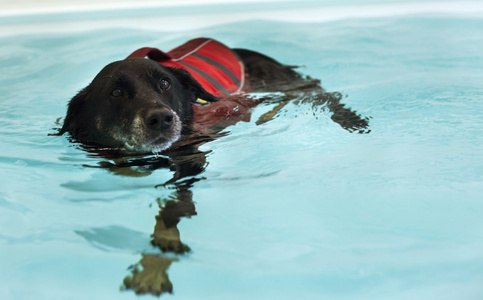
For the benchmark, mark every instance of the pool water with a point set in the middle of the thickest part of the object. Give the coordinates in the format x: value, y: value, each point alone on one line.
x: 294, y: 208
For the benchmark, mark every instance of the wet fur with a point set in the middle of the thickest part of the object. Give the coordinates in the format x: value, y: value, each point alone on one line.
x: 95, y: 117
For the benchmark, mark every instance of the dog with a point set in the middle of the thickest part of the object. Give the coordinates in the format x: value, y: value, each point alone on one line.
x: 169, y: 104
x: 154, y: 105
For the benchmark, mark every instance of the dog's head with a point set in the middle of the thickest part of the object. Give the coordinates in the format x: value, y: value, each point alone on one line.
x: 136, y: 105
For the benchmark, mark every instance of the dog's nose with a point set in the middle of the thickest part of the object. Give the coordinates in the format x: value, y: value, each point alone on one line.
x: 159, y: 120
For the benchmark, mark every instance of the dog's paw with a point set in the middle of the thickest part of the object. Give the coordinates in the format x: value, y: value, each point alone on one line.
x: 168, y: 244
x: 167, y: 239
x: 150, y: 276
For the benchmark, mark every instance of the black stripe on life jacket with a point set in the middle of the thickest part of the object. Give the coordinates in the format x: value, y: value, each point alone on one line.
x: 218, y: 65
x: 207, y: 76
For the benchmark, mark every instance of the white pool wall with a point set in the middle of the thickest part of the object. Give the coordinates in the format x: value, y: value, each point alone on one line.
x: 50, y: 16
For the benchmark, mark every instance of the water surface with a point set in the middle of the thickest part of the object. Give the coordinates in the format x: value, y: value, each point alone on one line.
x: 294, y: 208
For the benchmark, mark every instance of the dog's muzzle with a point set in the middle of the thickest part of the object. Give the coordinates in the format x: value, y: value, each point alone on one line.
x: 153, y: 130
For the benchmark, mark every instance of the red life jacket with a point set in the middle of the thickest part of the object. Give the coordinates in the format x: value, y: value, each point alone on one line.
x: 217, y: 68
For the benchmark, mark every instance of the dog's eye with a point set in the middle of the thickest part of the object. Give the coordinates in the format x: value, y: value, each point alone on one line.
x: 116, y: 93
x: 164, y: 84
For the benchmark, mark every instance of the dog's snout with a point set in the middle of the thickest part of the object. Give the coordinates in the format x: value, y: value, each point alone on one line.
x: 159, y: 120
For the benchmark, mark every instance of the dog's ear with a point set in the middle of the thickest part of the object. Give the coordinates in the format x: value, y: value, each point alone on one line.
x: 199, y: 93
x: 74, y: 110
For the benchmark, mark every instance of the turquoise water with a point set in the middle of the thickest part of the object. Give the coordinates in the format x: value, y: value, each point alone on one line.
x: 294, y: 208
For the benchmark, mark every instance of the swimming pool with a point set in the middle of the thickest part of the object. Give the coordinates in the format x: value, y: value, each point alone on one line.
x: 294, y: 208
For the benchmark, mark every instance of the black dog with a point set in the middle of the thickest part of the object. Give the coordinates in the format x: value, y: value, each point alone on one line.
x: 140, y: 105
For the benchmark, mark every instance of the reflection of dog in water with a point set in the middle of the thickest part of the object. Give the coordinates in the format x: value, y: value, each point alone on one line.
x: 150, y: 274
x: 171, y: 103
